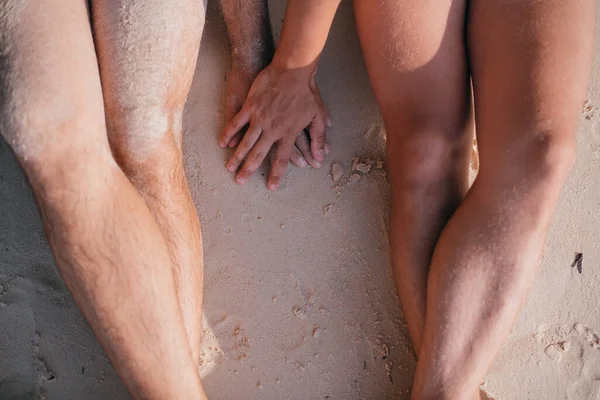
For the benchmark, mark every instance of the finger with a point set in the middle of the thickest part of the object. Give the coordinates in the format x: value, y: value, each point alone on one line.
x: 235, y: 140
x: 317, y: 137
x: 329, y: 124
x: 324, y: 110
x: 280, y: 164
x: 234, y: 126
x: 304, y: 146
x: 256, y: 157
x: 244, y: 148
x: 297, y: 158
x: 271, y: 156
x: 328, y: 120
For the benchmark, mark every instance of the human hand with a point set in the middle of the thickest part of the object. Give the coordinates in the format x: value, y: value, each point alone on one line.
x: 280, y: 105
x: 239, y: 81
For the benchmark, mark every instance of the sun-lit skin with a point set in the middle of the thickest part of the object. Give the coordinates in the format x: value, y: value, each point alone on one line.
x: 464, y: 260
x: 95, y: 121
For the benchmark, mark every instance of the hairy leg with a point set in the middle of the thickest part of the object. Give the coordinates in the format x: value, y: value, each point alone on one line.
x: 530, y: 63
x: 106, y: 243
x: 415, y: 55
x: 147, y: 52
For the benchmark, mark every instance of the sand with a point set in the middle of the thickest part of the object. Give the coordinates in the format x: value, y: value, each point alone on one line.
x: 299, y: 298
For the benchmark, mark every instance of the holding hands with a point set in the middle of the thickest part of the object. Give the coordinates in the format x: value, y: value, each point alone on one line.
x: 281, y: 104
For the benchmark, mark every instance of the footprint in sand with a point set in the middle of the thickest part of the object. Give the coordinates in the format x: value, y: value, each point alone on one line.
x: 589, y: 335
x: 562, y: 344
x: 224, y: 337
x: 556, y: 350
x: 211, y: 353
x: 246, y: 217
x: 574, y: 348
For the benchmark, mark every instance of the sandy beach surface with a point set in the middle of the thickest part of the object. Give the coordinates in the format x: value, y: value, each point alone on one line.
x: 299, y: 298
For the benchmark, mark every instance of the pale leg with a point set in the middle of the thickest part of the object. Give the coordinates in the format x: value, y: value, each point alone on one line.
x: 147, y: 52
x: 106, y: 243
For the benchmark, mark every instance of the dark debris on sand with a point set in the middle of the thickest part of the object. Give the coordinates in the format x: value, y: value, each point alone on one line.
x: 578, y: 262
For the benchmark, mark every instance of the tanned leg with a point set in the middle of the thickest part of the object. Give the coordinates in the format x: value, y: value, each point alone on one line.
x: 530, y: 63
x: 147, y: 52
x: 415, y: 55
x: 106, y: 243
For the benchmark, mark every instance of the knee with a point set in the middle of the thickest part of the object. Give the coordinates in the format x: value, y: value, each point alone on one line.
x: 427, y: 137
x: 146, y: 141
x: 55, y: 142
x: 534, y: 159
x: 421, y: 153
x: 138, y: 132
x: 552, y: 155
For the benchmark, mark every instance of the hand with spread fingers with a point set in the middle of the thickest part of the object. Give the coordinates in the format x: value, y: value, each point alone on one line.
x: 239, y: 81
x: 282, y: 102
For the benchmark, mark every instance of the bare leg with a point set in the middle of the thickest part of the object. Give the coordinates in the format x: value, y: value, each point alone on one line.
x: 147, y: 52
x: 530, y: 63
x: 415, y: 55
x: 106, y: 243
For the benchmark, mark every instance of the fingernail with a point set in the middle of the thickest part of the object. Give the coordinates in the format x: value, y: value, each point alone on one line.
x: 303, y: 163
x: 328, y: 122
x: 241, y: 181
x: 222, y: 144
x: 320, y: 155
x: 230, y: 167
x: 272, y: 187
x: 317, y: 164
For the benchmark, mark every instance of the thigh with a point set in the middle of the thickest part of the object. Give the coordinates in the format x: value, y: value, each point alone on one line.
x: 530, y: 62
x: 50, y: 94
x: 147, y: 52
x: 415, y: 55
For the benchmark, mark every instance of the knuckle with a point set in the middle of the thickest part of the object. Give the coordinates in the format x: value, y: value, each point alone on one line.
x: 230, y: 129
x: 235, y: 159
x: 257, y: 156
x: 235, y: 125
x: 320, y: 139
x: 246, y: 170
x: 276, y: 123
x: 227, y: 134
x: 243, y: 147
x: 237, y: 122
x: 281, y: 161
x: 270, y: 135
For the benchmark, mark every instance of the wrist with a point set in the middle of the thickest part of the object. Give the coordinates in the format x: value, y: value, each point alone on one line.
x: 284, y: 63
